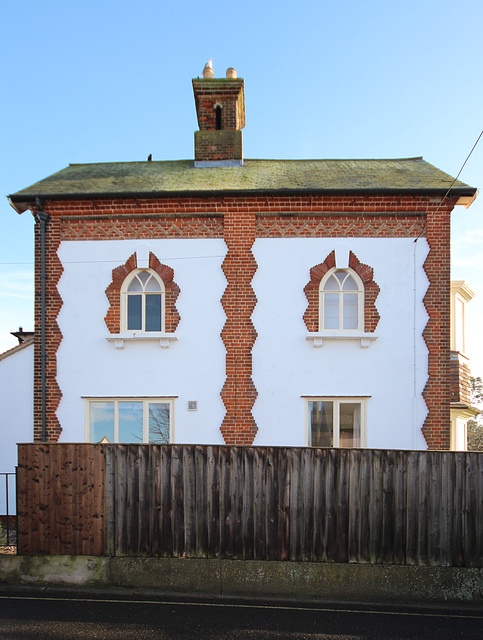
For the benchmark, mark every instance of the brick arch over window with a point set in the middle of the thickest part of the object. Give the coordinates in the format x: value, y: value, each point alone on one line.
x: 371, y: 291
x: 113, y: 293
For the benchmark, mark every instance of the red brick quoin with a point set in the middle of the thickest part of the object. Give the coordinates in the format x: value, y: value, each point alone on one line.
x: 53, y: 335
x: 238, y: 334
x: 371, y: 291
x: 113, y: 293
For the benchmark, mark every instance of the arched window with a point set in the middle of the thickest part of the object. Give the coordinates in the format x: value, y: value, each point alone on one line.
x: 341, y: 306
x: 218, y: 117
x: 143, y: 296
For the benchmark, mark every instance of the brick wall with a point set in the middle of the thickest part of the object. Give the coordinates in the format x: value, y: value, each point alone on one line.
x: 53, y: 336
x: 228, y: 94
x: 436, y: 428
x: 460, y: 374
x: 217, y: 146
x: 240, y: 220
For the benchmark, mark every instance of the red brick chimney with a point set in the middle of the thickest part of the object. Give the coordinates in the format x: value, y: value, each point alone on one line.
x: 220, y: 108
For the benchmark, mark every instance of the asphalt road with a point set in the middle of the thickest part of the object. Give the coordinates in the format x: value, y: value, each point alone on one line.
x: 59, y: 617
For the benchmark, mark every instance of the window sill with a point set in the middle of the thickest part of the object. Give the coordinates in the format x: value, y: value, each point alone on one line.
x: 165, y: 339
x: 319, y: 338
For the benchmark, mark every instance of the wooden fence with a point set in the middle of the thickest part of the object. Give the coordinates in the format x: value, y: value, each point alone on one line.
x: 264, y: 503
x: 60, y: 499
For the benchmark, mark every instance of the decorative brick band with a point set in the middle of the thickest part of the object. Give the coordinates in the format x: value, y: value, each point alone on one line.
x: 371, y: 291
x: 340, y: 226
x: 113, y: 293
x: 143, y: 228
x: 238, y: 334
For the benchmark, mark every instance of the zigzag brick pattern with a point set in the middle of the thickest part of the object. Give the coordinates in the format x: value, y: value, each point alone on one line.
x: 238, y: 334
x: 53, y: 335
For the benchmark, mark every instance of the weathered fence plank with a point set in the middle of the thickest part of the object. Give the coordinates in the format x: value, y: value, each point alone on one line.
x: 355, y: 505
x: 247, y: 516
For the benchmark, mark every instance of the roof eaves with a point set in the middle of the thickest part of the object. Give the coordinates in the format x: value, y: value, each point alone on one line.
x: 20, y: 202
x: 16, y: 349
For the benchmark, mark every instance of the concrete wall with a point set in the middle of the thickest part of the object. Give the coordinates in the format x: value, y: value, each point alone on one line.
x: 305, y: 581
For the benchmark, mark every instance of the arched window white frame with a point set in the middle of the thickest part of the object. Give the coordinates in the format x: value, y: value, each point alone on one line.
x: 143, y: 302
x: 341, y: 302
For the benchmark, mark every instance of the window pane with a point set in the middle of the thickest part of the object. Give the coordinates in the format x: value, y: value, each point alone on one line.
x: 351, y: 308
x: 135, y: 285
x: 134, y: 320
x: 143, y: 276
x: 340, y: 275
x: 153, y: 312
x: 332, y: 284
x: 350, y: 424
x: 152, y: 284
x: 331, y: 311
x: 159, y: 422
x: 321, y: 424
x: 350, y: 284
x: 131, y: 422
x: 102, y: 421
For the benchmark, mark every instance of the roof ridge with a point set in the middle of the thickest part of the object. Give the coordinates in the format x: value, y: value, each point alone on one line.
x: 153, y: 162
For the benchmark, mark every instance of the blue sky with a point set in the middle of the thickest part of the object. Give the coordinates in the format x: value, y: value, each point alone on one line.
x: 111, y: 81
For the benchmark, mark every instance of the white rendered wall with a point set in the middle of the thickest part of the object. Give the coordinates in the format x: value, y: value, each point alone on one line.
x: 286, y: 366
x: 193, y: 368
x: 16, y: 402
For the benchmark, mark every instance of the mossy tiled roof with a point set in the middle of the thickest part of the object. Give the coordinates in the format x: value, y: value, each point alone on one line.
x: 123, y: 179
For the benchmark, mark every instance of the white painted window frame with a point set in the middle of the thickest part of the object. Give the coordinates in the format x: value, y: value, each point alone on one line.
x: 337, y: 400
x: 360, y: 302
x: 319, y: 337
x: 143, y: 294
x: 146, y: 400
x: 140, y: 335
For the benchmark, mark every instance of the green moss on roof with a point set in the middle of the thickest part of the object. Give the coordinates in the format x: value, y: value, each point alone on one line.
x: 181, y: 177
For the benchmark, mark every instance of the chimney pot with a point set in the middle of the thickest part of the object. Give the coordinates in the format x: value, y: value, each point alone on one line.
x: 231, y: 73
x: 208, y: 70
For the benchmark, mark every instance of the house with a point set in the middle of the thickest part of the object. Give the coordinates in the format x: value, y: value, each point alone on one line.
x: 461, y: 407
x: 16, y: 402
x: 225, y: 300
